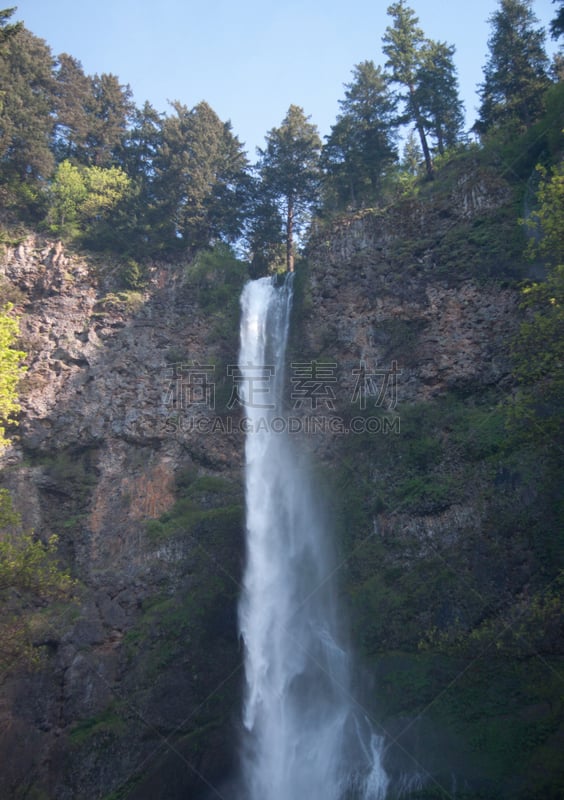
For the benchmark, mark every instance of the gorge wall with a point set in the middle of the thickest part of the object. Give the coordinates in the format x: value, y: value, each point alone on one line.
x: 129, y: 449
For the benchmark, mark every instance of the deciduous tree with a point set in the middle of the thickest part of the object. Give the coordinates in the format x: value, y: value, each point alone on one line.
x: 11, y: 370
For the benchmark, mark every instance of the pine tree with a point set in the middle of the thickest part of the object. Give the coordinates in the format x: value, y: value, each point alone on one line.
x: 557, y: 24
x: 74, y: 96
x: 437, y: 94
x: 8, y: 29
x: 27, y: 110
x: 199, y: 171
x: 109, y: 112
x: 516, y: 74
x: 289, y: 171
x: 403, y: 41
x: 360, y: 147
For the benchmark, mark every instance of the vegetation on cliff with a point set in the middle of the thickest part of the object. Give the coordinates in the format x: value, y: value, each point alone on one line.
x: 451, y: 533
x: 31, y: 583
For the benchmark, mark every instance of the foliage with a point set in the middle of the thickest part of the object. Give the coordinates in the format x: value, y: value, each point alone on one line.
x: 360, y: 147
x: 403, y: 42
x: 545, y: 222
x: 68, y: 192
x: 538, y: 350
x: 217, y: 277
x: 30, y: 579
x: 73, y: 94
x: 515, y: 76
x: 8, y: 29
x: 437, y: 94
x: 199, y: 177
x: 109, y: 108
x: 26, y: 116
x: 10, y: 370
x: 557, y: 24
x: 83, y: 198
x: 289, y: 172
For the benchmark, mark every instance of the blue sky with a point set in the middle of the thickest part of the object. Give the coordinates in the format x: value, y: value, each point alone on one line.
x: 250, y: 59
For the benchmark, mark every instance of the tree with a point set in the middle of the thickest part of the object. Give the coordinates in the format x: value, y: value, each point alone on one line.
x: 142, y: 143
x: 84, y: 198
x: 516, y: 74
x: 289, y: 172
x: 360, y: 147
x: 8, y: 29
x: 264, y: 232
x: 437, y: 94
x: 27, y: 112
x: 109, y: 108
x: 200, y: 171
x: 412, y: 156
x: 557, y: 24
x: 67, y: 193
x: 403, y: 42
x: 74, y: 96
x: 10, y: 370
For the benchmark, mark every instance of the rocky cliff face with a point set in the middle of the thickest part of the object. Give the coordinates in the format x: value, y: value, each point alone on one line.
x: 107, y: 433
x: 128, y: 448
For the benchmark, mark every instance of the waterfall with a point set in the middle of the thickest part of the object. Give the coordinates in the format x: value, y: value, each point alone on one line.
x: 304, y: 737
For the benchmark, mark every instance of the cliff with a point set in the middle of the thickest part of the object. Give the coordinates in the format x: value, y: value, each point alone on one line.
x: 129, y: 448
x: 144, y: 660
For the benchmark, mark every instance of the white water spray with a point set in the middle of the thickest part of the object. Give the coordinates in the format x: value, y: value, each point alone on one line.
x: 304, y: 738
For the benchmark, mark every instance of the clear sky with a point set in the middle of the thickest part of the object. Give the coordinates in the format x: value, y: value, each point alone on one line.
x: 250, y: 59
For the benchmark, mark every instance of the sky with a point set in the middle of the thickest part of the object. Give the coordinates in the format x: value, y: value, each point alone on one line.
x: 251, y: 59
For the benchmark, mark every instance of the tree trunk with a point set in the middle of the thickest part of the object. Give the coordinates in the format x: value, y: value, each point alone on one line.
x: 421, y: 131
x: 290, y: 236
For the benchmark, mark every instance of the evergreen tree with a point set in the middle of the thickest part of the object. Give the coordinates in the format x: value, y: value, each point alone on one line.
x: 557, y: 24
x: 412, y: 155
x: 200, y: 170
x: 109, y: 111
x: 403, y: 42
x: 516, y: 74
x: 360, y: 147
x: 264, y: 231
x: 141, y: 145
x: 74, y: 96
x: 437, y: 94
x: 27, y: 111
x: 8, y: 29
x: 289, y: 172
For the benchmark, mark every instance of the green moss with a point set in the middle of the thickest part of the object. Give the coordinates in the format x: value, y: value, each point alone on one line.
x: 109, y: 722
x: 128, y: 301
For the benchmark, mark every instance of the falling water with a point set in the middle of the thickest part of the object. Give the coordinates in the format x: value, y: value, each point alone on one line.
x: 305, y: 738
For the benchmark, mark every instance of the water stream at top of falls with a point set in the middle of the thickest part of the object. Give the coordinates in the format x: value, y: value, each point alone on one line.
x: 304, y: 736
